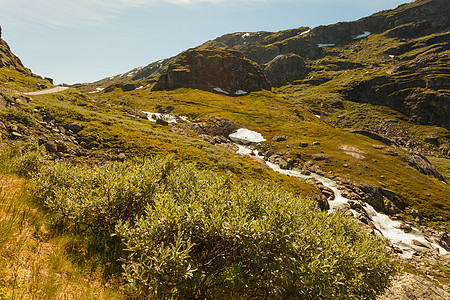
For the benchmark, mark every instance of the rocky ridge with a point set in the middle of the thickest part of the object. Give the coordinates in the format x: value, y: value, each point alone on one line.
x: 213, y: 68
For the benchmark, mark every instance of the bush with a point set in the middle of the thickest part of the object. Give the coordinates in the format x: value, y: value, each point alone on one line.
x: 24, y: 159
x: 192, y: 234
x: 202, y: 237
x: 97, y: 197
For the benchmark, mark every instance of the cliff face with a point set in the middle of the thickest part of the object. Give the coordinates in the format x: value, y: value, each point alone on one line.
x: 9, y: 60
x: 211, y: 68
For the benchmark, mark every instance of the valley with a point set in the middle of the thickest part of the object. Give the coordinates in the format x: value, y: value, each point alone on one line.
x: 198, y: 176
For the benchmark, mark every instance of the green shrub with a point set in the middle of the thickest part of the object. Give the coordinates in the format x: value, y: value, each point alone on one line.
x: 97, y: 197
x: 202, y: 237
x: 192, y: 234
x: 24, y: 159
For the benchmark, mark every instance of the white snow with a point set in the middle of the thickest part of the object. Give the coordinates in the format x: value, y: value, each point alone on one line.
x: 240, y: 92
x: 166, y: 117
x: 244, y: 150
x: 305, y: 32
x: 277, y: 57
x: 245, y: 35
x: 221, y: 91
x: 391, y: 56
x: 365, y: 34
x: 325, y: 45
x: 246, y: 136
x: 140, y: 87
x: 317, y: 116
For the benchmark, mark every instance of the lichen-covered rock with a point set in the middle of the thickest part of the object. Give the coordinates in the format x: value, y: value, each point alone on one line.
x: 211, y: 68
x: 285, y: 68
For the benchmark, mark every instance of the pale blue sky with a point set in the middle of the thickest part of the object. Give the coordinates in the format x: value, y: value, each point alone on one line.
x: 87, y: 40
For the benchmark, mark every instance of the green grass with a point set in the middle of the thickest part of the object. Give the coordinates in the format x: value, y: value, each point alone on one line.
x: 35, y: 264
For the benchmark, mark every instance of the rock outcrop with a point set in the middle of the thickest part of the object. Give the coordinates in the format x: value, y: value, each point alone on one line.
x: 212, y: 68
x: 418, y: 88
x: 284, y: 68
x: 9, y: 60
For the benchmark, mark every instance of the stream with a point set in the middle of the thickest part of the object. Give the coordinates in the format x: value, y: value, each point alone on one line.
x: 408, y: 242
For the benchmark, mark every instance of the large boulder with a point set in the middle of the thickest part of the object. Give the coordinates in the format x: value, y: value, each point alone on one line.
x: 212, y: 68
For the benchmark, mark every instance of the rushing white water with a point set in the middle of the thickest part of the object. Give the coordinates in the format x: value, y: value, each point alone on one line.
x: 390, y: 229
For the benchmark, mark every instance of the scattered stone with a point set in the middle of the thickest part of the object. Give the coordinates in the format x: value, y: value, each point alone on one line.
x: 121, y: 157
x: 281, y: 138
x: 162, y: 122
x: 320, y: 157
x: 16, y: 135
x: 303, y: 144
x: 75, y: 127
x: 315, y: 144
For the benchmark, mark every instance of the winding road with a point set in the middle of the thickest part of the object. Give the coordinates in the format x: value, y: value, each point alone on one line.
x: 48, y: 91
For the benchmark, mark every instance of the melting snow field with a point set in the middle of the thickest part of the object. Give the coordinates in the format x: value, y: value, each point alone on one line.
x: 365, y: 34
x: 246, y: 136
x: 386, y: 227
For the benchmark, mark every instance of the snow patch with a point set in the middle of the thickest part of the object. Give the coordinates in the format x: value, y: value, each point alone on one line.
x: 246, y: 136
x: 221, y: 91
x: 247, y: 34
x: 277, y: 57
x: 325, y: 45
x: 317, y: 116
x: 305, y: 32
x: 365, y: 34
x: 240, y: 92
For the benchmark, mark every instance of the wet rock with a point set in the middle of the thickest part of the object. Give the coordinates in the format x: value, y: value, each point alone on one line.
x: 162, y: 122
x: 280, y: 161
x: 419, y: 244
x: 406, y: 228
x: 228, y: 146
x: 444, y: 241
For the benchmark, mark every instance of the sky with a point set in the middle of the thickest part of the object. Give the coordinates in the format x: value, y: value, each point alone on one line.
x: 76, y: 41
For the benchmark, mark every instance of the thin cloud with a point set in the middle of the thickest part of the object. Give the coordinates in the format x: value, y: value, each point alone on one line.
x: 70, y: 13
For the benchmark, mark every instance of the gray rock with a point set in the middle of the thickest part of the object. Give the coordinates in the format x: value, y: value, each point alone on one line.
x: 303, y: 144
x: 162, y: 122
x: 16, y: 135
x: 75, y: 127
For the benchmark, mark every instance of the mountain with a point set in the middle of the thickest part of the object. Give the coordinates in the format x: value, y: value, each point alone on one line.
x: 8, y: 59
x: 355, y: 110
